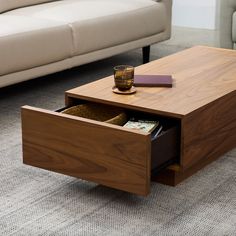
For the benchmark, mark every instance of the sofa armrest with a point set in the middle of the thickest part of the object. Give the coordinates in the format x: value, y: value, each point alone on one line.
x: 168, y: 4
x: 227, y: 8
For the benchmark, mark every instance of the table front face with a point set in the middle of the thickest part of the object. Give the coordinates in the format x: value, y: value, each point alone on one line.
x: 201, y: 75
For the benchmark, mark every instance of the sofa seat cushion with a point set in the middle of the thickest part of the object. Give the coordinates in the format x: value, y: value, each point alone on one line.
x: 6, y: 5
x: 27, y: 42
x: 98, y: 24
x: 234, y: 27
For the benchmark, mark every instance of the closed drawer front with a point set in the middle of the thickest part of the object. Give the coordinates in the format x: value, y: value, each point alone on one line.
x: 107, y: 154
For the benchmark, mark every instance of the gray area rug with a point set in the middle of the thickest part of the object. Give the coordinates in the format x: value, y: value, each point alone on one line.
x: 38, y: 202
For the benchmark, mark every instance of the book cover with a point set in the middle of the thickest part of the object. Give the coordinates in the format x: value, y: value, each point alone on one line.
x: 146, y: 126
x: 153, y: 80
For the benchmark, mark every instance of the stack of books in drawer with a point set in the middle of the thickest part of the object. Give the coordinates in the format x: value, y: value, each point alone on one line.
x: 150, y: 126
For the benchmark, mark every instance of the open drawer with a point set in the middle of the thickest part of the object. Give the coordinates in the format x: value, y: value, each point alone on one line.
x: 104, y: 153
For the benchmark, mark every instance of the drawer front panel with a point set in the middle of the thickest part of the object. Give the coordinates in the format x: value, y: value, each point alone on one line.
x: 90, y: 150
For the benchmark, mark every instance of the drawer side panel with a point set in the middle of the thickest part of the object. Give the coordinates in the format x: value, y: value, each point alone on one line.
x: 209, y: 132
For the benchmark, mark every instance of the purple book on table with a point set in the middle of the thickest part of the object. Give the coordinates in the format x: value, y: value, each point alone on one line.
x: 153, y: 80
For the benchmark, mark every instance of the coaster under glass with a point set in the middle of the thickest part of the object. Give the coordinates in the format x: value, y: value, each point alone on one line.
x: 125, y: 92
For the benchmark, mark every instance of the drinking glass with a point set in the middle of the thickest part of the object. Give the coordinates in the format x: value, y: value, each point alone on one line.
x: 124, y: 77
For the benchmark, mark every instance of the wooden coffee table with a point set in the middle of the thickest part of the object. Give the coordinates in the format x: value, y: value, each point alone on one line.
x: 199, y: 113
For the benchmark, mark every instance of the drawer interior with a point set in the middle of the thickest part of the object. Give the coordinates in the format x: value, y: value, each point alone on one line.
x: 165, y: 147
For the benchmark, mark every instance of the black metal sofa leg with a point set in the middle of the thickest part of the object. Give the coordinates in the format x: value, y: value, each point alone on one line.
x: 146, y: 54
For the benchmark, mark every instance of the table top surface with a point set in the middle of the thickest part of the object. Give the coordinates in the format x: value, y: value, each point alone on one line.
x: 201, y: 75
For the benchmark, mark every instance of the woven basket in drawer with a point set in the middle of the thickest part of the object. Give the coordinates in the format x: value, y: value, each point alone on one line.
x: 98, y: 112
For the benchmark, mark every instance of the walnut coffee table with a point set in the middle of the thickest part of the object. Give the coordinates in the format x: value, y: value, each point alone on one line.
x: 199, y: 114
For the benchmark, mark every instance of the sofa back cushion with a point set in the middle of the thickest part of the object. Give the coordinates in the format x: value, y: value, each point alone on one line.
x: 6, y: 5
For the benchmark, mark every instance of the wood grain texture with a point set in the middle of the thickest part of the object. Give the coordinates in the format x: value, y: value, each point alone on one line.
x: 201, y: 75
x: 207, y: 134
x: 90, y: 150
x: 175, y: 174
x: 209, y: 131
x: 202, y: 98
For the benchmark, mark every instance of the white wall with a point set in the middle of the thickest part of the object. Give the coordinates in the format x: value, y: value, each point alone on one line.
x: 195, y: 13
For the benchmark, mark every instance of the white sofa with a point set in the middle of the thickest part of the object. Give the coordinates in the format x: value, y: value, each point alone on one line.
x: 52, y: 36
